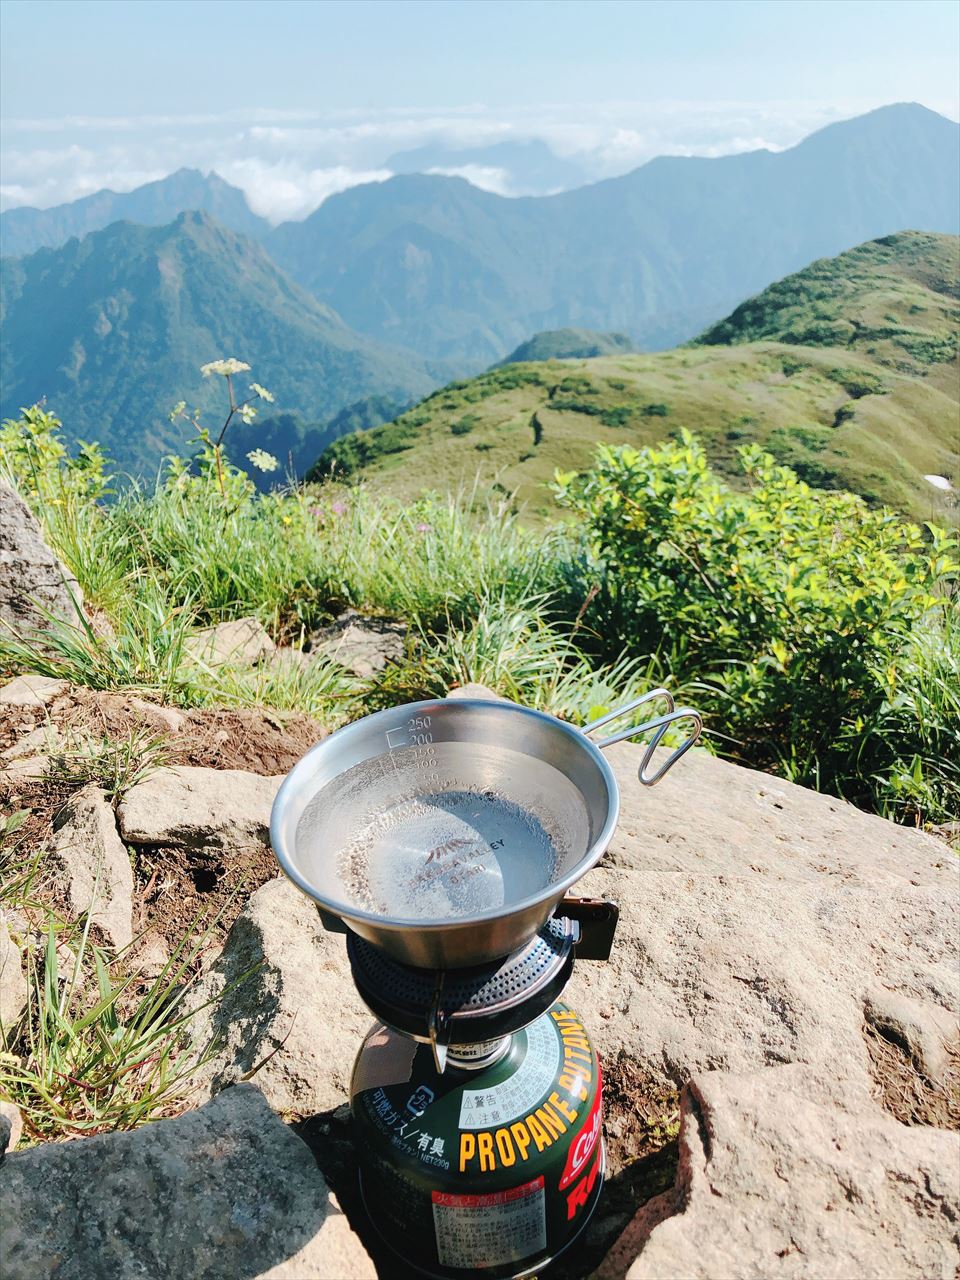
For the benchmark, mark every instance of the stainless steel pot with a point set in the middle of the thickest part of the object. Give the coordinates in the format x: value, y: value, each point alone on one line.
x: 447, y: 832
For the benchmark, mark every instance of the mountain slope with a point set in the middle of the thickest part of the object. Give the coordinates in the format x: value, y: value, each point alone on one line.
x: 24, y: 230
x: 113, y: 329
x: 569, y: 344
x: 872, y: 415
x: 438, y: 265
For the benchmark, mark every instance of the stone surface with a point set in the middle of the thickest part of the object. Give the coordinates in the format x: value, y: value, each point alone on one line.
x: 363, y: 645
x: 773, y: 1184
x: 166, y: 719
x: 756, y: 918
x: 761, y: 923
x: 299, y: 1001
x: 198, y: 808
x: 225, y: 1191
x: 25, y: 769
x: 924, y: 1029
x: 11, y: 1127
x: 14, y: 986
x: 31, y: 691
x: 38, y: 741
x: 33, y: 582
x: 241, y: 642
x: 93, y: 864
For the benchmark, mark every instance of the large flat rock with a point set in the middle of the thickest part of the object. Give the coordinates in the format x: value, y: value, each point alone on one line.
x: 773, y: 1184
x: 198, y: 808
x: 224, y: 1191
x: 297, y: 1010
x: 757, y: 920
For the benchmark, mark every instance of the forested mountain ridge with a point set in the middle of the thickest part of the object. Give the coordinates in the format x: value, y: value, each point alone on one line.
x: 447, y: 269
x: 23, y: 230
x: 112, y: 330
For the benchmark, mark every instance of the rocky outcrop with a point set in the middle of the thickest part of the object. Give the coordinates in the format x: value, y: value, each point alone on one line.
x: 774, y: 1184
x: 764, y: 925
x: 198, y: 808
x: 242, y: 642
x: 756, y: 919
x: 361, y: 644
x: 14, y: 987
x: 31, y: 691
x: 227, y: 1190
x: 93, y: 865
x: 296, y: 1011
x: 33, y: 582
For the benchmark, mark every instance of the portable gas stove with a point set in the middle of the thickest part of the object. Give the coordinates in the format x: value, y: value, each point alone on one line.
x: 477, y: 1097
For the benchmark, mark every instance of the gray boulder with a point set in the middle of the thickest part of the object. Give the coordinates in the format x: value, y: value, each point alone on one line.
x: 772, y: 1183
x: 198, y: 808
x: 93, y: 865
x: 32, y: 579
x: 225, y: 1191
x: 242, y: 642
x: 361, y: 644
x: 31, y: 691
x: 757, y: 918
x: 297, y: 1012
x: 14, y: 985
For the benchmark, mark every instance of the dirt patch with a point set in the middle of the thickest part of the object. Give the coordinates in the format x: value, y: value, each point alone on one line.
x: 176, y: 890
x: 904, y: 1091
x: 641, y: 1121
x: 256, y: 739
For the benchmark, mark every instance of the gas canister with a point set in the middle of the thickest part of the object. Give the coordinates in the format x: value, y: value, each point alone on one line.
x: 491, y: 1168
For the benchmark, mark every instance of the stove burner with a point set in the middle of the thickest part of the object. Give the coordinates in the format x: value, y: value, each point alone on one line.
x: 470, y: 1005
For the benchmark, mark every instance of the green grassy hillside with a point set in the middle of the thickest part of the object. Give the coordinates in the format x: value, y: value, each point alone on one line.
x: 569, y: 344
x: 872, y: 414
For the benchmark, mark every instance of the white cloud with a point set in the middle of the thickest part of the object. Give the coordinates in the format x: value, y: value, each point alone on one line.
x: 486, y: 177
x: 288, y: 190
x: 288, y: 162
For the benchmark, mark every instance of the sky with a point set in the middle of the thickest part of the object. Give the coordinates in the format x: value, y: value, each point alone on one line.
x: 295, y: 99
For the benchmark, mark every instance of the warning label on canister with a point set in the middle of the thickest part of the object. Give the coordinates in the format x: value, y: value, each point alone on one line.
x: 490, y: 1230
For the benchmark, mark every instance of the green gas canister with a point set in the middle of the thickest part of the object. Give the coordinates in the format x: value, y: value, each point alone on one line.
x: 491, y: 1167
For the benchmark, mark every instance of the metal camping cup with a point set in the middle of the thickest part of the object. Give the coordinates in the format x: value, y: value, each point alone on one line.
x: 446, y: 833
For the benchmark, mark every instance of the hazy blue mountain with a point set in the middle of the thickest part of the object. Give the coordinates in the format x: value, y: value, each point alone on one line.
x: 447, y: 269
x: 529, y: 168
x: 24, y: 230
x: 569, y: 344
x: 113, y: 329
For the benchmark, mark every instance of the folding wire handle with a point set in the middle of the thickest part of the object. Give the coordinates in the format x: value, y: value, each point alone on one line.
x: 659, y: 725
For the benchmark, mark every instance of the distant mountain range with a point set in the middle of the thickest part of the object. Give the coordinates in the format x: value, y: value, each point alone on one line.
x: 112, y: 331
x: 521, y: 168
x: 24, y: 230
x: 435, y: 264
x: 846, y: 371
x: 389, y: 288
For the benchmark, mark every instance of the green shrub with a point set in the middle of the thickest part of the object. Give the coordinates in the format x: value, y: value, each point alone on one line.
x: 655, y: 411
x: 787, y: 603
x: 465, y: 425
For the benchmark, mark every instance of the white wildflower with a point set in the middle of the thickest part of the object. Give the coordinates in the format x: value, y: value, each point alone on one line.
x: 225, y: 367
x: 262, y: 460
x: 177, y: 410
x: 247, y: 413
x: 262, y: 392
